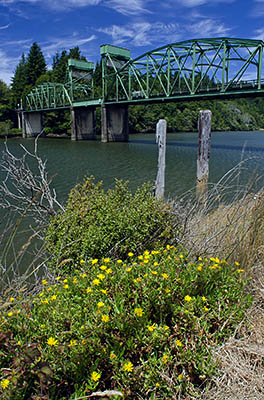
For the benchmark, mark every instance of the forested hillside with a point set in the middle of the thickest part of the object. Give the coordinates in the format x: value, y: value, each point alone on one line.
x: 235, y: 114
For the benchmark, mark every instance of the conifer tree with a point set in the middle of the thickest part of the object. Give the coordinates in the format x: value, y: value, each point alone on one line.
x: 35, y: 65
x: 19, y: 82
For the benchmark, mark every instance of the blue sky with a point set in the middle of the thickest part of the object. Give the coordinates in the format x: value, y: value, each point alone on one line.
x: 139, y: 25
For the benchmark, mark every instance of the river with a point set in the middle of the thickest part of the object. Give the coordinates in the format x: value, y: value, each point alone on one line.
x: 136, y: 161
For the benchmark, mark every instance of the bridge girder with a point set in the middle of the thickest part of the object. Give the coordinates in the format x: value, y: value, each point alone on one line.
x: 53, y: 95
x: 199, y: 68
x: 207, y: 67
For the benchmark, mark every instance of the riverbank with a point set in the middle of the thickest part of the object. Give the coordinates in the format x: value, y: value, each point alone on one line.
x: 147, y: 322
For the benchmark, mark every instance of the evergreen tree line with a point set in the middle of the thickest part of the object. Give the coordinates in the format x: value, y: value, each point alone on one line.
x: 235, y: 114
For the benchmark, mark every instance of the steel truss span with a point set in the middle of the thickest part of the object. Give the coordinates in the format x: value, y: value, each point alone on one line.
x: 192, y: 69
x: 186, y: 70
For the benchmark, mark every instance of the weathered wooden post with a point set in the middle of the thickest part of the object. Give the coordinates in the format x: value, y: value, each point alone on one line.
x: 204, y: 129
x: 161, y: 131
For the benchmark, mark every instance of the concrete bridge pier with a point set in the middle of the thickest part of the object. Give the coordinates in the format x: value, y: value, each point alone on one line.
x: 32, y: 124
x: 114, y: 123
x: 83, y: 123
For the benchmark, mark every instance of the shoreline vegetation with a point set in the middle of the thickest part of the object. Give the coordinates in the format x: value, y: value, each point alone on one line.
x: 137, y: 298
x: 228, y: 115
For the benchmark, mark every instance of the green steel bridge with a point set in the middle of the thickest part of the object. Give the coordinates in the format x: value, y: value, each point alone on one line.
x: 188, y: 70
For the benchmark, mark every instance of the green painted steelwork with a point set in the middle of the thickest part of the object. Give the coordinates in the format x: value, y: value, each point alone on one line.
x: 202, y: 68
x: 77, y: 88
x: 192, y: 69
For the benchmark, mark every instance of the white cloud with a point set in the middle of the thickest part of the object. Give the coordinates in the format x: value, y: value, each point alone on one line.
x: 209, y: 27
x: 7, y: 67
x: 143, y: 33
x: 128, y: 7
x: 259, y: 34
x: 125, y: 7
x: 4, y: 27
x: 57, y: 44
x: 196, y: 3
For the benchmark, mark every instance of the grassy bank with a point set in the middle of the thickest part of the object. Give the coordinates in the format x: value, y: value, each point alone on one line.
x: 162, y: 318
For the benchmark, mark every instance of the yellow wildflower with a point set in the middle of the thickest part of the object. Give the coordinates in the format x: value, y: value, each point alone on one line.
x: 44, y: 282
x: 139, y: 312
x: 52, y: 342
x: 84, y: 341
x: 104, y: 291
x: 187, y: 298
x: 180, y: 377
x: 105, y: 318
x: 128, y: 269
x: 109, y: 271
x: 165, y: 276
x: 95, y: 376
x: 96, y: 282
x: 154, y: 272
x: 88, y: 290
x: 130, y: 254
x: 65, y: 280
x: 5, y: 383
x: 140, y: 257
x: 164, y: 358
x: 103, y: 267
x: 95, y: 261
x: 206, y: 309
x: 73, y: 343
x: 58, y: 278
x: 66, y: 286
x: 101, y: 276
x: 10, y: 314
x: 204, y: 298
x: 119, y: 261
x: 106, y: 260
x: 82, y: 261
x: 200, y: 267
x: 53, y: 297
x: 11, y: 299
x: 128, y: 366
x: 151, y: 328
x: 112, y: 355
x: 178, y: 343
x: 100, y: 304
x: 240, y: 270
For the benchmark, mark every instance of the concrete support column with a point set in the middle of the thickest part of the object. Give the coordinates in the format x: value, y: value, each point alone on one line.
x: 83, y: 123
x: 32, y: 124
x: 114, y: 123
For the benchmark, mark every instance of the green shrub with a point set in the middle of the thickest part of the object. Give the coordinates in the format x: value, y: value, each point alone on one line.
x: 97, y: 223
x: 143, y: 327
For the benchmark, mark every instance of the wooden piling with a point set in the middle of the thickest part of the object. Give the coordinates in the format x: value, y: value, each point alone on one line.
x: 161, y: 131
x: 204, y: 129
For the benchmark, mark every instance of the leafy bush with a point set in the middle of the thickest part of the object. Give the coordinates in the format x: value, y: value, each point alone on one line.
x: 143, y: 327
x: 96, y: 223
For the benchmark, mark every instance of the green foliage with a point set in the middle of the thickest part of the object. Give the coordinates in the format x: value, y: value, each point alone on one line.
x: 35, y: 65
x: 97, y: 222
x: 144, y: 327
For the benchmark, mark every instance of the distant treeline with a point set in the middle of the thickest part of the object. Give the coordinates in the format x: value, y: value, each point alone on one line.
x: 235, y: 114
